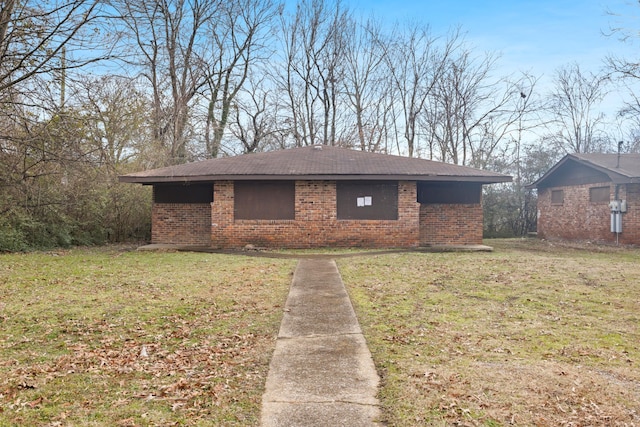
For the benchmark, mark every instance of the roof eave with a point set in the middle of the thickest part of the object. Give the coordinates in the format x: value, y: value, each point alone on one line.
x: 493, y: 179
x: 616, y: 178
x: 621, y: 179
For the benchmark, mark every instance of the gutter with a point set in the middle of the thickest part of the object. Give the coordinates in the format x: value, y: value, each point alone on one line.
x: 210, y: 178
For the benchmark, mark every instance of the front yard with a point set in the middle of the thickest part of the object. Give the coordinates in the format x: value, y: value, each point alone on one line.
x: 531, y: 334
x: 102, y: 337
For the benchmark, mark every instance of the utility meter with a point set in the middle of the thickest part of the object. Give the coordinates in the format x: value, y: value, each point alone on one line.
x: 614, y: 205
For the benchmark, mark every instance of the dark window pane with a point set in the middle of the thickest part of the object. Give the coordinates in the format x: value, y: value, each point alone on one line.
x: 449, y: 193
x: 599, y: 194
x: 557, y: 197
x: 183, y: 193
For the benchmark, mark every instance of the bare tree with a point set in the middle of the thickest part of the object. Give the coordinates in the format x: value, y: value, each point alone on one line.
x: 628, y: 123
x: 38, y: 44
x: 470, y: 114
x: 166, y: 43
x: 366, y: 84
x: 235, y: 39
x: 455, y: 103
x: 313, y: 51
x: 255, y: 121
x: 416, y: 62
x: 574, y: 105
x: 627, y: 72
x: 34, y: 34
x: 114, y: 116
x: 619, y: 27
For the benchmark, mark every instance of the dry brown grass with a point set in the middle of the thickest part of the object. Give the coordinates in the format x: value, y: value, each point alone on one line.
x: 101, y: 337
x: 533, y: 334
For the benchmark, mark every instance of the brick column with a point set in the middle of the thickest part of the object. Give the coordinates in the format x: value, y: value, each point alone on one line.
x: 221, y: 213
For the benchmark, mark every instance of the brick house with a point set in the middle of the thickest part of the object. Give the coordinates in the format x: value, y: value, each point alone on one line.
x: 591, y: 197
x: 316, y: 196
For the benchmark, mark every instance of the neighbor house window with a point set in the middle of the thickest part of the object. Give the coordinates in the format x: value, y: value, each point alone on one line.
x: 367, y: 200
x: 264, y: 199
x: 599, y: 194
x: 183, y: 193
x: 557, y: 197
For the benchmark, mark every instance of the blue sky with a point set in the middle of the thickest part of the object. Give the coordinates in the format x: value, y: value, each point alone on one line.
x: 533, y: 36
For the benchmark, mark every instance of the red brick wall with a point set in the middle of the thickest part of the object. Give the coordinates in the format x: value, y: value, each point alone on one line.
x: 459, y: 224
x: 581, y: 220
x: 316, y: 224
x: 631, y: 220
x: 182, y: 224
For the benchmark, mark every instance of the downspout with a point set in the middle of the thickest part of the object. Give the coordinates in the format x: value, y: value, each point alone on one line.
x: 618, y: 215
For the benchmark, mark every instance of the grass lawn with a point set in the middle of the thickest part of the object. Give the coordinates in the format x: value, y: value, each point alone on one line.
x: 107, y: 337
x: 533, y: 334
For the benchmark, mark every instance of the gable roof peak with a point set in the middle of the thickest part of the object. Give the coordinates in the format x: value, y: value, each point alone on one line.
x: 621, y: 168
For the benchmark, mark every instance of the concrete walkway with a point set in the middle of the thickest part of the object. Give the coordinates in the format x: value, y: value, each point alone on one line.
x: 321, y: 373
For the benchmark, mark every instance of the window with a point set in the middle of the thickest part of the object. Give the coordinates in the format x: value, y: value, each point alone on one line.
x: 367, y: 200
x: 557, y: 197
x: 449, y: 193
x: 183, y: 193
x: 599, y: 194
x: 264, y: 200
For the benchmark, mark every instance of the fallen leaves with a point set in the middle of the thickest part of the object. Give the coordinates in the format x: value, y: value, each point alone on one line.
x: 138, y: 339
x: 188, y: 376
x: 520, y: 336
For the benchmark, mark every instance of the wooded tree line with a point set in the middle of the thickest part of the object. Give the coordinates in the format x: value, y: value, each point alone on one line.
x: 91, y: 89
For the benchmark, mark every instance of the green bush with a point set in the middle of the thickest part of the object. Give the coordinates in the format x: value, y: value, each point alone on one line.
x: 11, y: 239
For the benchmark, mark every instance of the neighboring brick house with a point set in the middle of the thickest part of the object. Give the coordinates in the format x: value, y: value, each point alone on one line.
x: 316, y: 196
x: 591, y: 197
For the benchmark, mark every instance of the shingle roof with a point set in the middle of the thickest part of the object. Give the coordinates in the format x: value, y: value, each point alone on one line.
x: 629, y: 165
x: 622, y: 169
x: 315, y: 163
